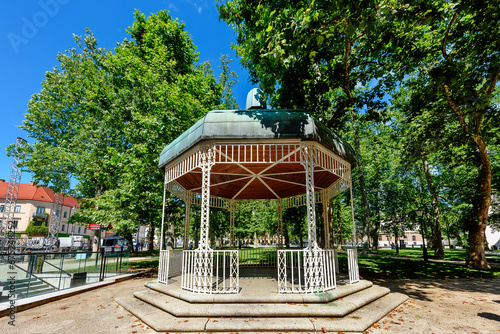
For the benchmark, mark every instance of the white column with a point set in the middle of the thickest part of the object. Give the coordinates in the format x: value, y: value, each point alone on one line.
x: 187, y: 201
x: 204, y: 254
x: 279, y: 207
x: 232, y: 209
x: 162, y: 238
x: 313, y: 260
x: 308, y: 162
x: 327, y: 232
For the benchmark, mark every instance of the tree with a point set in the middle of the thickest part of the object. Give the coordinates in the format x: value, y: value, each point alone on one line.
x: 453, y: 47
x: 103, y: 117
x: 314, y: 55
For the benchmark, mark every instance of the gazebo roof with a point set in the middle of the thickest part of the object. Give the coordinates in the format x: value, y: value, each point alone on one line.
x: 256, y: 124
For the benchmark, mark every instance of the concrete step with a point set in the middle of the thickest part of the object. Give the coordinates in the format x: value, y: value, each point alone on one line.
x: 266, y: 294
x: 336, y: 308
x: 357, y: 321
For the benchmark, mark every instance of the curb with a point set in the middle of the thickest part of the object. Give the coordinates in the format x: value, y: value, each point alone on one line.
x: 30, y: 302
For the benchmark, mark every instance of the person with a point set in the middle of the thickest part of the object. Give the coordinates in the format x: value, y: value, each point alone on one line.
x: 190, y: 245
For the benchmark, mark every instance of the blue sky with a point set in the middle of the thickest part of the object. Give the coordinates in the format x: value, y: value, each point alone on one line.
x: 32, y: 32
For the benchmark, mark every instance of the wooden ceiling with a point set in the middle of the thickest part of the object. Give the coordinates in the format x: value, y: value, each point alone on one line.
x: 256, y: 180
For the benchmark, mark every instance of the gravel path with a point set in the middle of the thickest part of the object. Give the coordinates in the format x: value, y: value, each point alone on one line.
x: 443, y: 306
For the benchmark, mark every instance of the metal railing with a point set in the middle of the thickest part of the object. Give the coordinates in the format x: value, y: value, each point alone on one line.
x: 210, y: 271
x: 30, y: 274
x: 307, y: 271
x: 352, y: 261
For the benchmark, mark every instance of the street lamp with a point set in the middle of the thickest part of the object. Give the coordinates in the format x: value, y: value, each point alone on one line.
x: 422, y: 227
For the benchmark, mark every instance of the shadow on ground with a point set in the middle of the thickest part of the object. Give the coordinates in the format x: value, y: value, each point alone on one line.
x: 419, y: 289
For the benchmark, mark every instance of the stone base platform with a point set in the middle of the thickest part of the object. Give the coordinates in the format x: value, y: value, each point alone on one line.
x: 258, y: 307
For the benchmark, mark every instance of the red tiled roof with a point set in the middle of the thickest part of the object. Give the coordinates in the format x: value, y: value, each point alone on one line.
x: 36, y: 193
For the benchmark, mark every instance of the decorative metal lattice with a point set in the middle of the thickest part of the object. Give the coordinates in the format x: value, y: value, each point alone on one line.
x: 55, y: 214
x: 12, y: 188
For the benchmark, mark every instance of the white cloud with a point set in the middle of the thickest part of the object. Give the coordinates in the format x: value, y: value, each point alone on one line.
x: 199, y: 5
x: 172, y: 7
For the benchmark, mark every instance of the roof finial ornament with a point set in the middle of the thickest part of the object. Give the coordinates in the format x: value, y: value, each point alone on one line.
x: 254, y: 99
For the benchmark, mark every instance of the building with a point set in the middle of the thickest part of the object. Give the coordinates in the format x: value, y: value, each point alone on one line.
x: 35, y: 203
x: 412, y: 239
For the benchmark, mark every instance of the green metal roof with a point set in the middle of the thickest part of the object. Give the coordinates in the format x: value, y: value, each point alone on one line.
x: 256, y: 124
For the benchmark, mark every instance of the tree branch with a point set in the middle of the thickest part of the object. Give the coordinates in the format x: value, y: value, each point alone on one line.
x: 455, y: 108
x: 445, y: 40
x: 347, y: 90
x: 494, y: 80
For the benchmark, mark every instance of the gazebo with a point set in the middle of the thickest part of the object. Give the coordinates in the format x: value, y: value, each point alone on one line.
x: 258, y: 159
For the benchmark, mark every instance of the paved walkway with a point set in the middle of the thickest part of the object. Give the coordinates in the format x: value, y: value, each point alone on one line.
x: 436, y: 306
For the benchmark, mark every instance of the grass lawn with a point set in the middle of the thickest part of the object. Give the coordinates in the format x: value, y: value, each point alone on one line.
x: 375, y: 267
x: 143, y: 264
x: 449, y: 254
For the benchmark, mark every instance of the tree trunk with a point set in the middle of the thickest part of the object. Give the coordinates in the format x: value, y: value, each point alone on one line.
x: 376, y: 228
x: 475, y: 252
x: 362, y: 188
x: 329, y: 213
x: 437, y: 243
x: 396, y: 240
x: 286, y: 236
x: 128, y: 237
x: 320, y: 232
x: 151, y: 237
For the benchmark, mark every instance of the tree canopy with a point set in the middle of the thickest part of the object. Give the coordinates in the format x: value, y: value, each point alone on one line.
x: 350, y: 62
x: 103, y: 116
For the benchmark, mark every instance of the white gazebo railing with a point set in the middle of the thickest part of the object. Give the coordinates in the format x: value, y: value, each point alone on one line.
x: 163, y: 266
x: 297, y: 270
x: 214, y: 271
x: 352, y: 260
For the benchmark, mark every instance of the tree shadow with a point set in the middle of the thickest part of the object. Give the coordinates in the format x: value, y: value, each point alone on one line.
x: 421, y: 289
x: 490, y: 316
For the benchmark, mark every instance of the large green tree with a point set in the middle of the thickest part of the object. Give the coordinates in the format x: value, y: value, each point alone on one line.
x: 315, y: 55
x: 338, y: 58
x: 452, y: 47
x: 102, y: 118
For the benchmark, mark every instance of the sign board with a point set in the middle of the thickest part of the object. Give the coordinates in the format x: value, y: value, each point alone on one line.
x: 97, y: 226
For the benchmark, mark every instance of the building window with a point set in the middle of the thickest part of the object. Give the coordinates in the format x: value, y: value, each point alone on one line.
x: 40, y: 209
x: 65, y: 214
x: 2, y: 207
x: 79, y: 229
x: 17, y: 209
x: 72, y: 228
x: 413, y: 238
x: 57, y: 213
x: 62, y: 228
